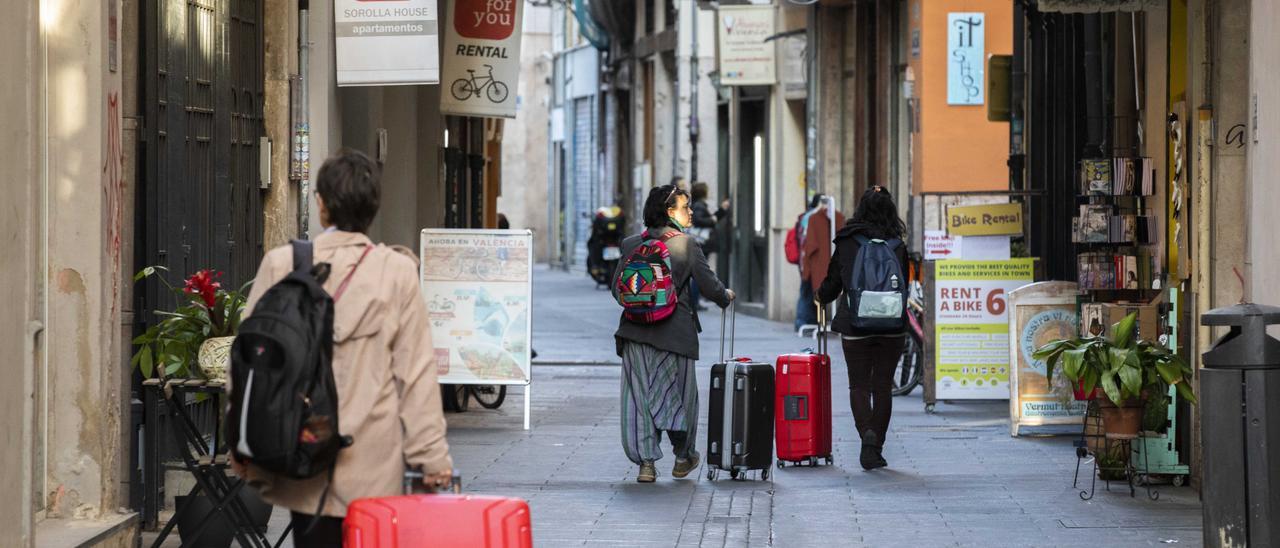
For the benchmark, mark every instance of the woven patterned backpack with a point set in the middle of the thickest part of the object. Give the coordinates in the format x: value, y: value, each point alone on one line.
x: 644, y: 286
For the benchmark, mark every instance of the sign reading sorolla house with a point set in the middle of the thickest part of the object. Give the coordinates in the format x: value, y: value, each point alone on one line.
x: 966, y: 52
x: 971, y: 321
x: 1040, y: 314
x: 985, y: 220
x: 746, y: 58
x: 481, y: 58
x: 386, y: 42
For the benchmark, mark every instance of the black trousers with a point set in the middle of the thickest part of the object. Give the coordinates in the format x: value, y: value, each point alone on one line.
x: 327, y: 532
x: 871, y: 363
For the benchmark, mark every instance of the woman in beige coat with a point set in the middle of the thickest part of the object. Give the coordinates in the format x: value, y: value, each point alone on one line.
x: 383, y: 362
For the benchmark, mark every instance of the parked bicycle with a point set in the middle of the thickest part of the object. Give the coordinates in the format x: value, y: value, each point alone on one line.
x: 466, y: 88
x: 911, y: 364
x: 457, y: 397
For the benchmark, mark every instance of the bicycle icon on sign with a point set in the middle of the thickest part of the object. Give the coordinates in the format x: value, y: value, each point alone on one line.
x: 466, y: 88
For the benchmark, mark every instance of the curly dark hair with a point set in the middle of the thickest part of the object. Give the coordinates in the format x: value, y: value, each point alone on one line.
x: 877, y: 212
x: 659, y: 201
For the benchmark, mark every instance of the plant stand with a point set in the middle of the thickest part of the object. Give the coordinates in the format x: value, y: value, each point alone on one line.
x: 1158, y: 453
x: 1134, y: 467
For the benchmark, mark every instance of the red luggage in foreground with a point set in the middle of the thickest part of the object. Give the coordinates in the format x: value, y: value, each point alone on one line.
x: 803, y: 408
x: 444, y: 521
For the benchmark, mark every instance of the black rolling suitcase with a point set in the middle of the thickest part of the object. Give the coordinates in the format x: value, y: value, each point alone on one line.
x: 740, y: 415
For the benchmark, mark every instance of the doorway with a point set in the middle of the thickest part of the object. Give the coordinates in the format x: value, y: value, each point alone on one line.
x: 750, y: 210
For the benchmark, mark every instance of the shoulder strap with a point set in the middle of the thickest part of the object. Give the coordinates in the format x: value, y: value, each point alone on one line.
x: 302, y: 253
x: 342, y: 288
x: 862, y: 240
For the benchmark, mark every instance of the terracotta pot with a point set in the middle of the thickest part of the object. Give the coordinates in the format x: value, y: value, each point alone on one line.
x: 215, y: 357
x: 1121, y: 421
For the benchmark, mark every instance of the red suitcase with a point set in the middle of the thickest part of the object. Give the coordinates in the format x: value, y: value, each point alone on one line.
x: 802, y: 418
x: 438, y: 521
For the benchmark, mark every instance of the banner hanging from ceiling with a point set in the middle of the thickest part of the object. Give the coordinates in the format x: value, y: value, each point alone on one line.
x: 386, y: 42
x: 481, y: 58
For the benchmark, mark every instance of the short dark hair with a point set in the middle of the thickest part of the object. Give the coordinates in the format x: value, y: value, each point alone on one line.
x: 503, y: 224
x: 699, y: 191
x: 659, y: 201
x: 350, y: 185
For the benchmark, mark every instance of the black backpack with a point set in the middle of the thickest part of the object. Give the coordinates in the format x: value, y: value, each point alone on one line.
x: 283, y: 412
x: 877, y: 290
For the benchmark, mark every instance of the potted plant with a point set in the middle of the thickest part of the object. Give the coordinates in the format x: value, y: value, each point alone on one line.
x: 1128, y: 371
x: 201, y: 330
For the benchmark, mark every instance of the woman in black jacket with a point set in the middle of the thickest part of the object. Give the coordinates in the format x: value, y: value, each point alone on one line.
x: 871, y: 356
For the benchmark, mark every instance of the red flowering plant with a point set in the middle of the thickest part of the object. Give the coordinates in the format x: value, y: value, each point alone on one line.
x: 170, y: 347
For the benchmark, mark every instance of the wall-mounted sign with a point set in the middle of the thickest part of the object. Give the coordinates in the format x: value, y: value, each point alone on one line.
x: 745, y: 58
x: 481, y: 58
x: 389, y: 42
x: 966, y: 52
x: 985, y: 220
x: 793, y: 69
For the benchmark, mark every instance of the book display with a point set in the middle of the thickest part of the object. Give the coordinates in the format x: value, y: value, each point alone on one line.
x: 1115, y: 233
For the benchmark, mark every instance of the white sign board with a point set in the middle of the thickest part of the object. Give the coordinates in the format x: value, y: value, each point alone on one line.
x: 966, y: 55
x: 386, y: 43
x: 938, y: 246
x: 971, y: 323
x: 745, y: 57
x: 481, y: 58
x: 983, y: 248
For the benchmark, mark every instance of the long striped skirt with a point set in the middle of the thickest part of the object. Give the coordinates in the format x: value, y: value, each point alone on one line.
x: 659, y: 393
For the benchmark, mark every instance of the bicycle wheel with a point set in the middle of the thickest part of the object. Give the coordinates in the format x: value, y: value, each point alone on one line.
x: 462, y: 89
x: 456, y: 397
x: 497, y: 92
x: 489, y: 396
x: 910, y: 367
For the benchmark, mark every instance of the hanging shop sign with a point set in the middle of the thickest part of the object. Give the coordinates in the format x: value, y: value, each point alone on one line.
x: 745, y: 57
x: 966, y: 55
x: 971, y: 320
x: 386, y: 43
x: 1041, y: 313
x: 795, y: 81
x: 985, y: 220
x: 481, y: 57
x: 478, y: 286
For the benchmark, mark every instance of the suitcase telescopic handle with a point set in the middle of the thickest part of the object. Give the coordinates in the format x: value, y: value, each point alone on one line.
x: 822, y: 327
x: 413, y: 481
x: 731, y: 313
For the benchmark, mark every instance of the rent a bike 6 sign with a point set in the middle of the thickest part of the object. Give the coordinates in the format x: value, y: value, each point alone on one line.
x: 481, y: 58
x: 972, y: 326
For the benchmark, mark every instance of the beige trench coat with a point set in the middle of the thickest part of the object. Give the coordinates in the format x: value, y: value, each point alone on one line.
x: 384, y: 366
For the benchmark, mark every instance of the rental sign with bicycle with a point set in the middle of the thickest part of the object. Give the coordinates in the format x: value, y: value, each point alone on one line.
x: 481, y: 58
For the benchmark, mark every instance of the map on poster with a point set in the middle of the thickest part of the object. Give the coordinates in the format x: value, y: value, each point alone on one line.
x: 478, y: 289
x: 972, y: 326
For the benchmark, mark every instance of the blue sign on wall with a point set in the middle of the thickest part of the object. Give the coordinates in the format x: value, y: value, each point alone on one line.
x: 966, y: 55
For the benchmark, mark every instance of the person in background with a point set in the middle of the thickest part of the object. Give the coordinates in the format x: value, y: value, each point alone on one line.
x: 383, y: 364
x: 871, y: 357
x: 815, y: 254
x: 704, y: 229
x: 502, y: 222
x: 659, y: 382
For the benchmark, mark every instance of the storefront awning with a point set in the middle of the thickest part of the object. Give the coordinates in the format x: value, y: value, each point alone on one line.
x: 1096, y: 6
x: 615, y: 18
x: 588, y: 26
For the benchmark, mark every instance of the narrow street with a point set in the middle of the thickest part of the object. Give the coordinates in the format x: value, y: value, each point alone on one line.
x: 955, y: 478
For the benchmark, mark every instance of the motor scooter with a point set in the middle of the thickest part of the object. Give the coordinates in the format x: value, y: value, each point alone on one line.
x: 604, y: 247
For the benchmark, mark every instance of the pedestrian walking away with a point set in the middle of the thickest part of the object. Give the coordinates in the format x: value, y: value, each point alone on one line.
x: 867, y: 268
x: 703, y: 230
x: 383, y: 365
x: 657, y: 336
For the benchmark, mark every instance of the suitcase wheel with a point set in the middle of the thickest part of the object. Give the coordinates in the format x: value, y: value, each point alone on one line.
x: 764, y: 474
x: 780, y: 465
x: 734, y: 475
x: 711, y: 474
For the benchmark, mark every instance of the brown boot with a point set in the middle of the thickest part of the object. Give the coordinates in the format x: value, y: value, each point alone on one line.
x: 648, y: 473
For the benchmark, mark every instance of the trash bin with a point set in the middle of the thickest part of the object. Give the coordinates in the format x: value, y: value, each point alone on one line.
x: 1240, y: 428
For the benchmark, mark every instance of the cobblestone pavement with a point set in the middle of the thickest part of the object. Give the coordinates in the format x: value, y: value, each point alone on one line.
x: 955, y: 478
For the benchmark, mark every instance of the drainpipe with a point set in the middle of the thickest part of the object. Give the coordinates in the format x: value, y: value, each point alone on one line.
x: 37, y: 329
x: 304, y: 56
x: 693, y: 98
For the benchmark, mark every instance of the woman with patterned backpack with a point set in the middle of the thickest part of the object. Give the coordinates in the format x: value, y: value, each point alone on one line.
x: 657, y: 335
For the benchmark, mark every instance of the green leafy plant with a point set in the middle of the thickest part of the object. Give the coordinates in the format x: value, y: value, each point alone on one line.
x: 1126, y: 368
x: 168, y: 348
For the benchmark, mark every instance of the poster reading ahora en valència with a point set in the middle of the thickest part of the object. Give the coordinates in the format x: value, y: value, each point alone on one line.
x: 972, y: 326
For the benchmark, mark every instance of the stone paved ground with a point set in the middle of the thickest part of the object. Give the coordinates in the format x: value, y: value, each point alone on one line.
x: 955, y: 478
